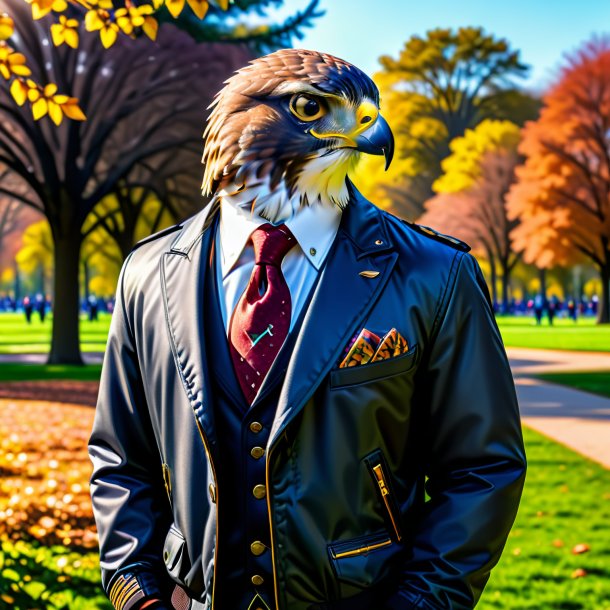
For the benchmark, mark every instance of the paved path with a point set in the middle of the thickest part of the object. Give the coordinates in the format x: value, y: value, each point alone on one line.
x: 580, y: 420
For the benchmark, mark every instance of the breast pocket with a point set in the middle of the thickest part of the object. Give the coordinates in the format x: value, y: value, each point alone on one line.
x: 373, y: 371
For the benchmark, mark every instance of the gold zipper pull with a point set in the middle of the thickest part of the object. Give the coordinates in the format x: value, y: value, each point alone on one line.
x: 385, y: 492
x: 167, y: 480
x: 380, y: 480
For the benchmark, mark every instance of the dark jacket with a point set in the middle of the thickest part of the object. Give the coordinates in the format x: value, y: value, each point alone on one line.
x: 442, y: 418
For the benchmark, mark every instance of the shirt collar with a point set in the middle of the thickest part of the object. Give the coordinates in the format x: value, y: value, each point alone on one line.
x: 314, y: 227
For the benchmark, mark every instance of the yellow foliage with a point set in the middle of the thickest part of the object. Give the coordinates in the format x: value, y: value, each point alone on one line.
x: 7, y: 26
x: 37, y: 248
x: 462, y: 167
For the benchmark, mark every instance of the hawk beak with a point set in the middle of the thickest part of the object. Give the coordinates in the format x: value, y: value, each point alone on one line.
x: 377, y: 140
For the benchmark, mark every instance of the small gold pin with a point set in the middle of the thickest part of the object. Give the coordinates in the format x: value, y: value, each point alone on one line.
x: 368, y: 273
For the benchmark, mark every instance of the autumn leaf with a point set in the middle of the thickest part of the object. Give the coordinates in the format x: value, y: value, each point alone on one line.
x: 12, y: 63
x: 175, y: 7
x: 199, y: 7
x: 579, y: 549
x: 65, y: 31
x: 7, y: 26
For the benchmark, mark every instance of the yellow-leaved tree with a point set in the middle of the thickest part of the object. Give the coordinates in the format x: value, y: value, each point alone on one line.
x: 471, y: 199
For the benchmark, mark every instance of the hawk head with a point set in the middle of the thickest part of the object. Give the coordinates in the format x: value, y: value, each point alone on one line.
x: 285, y: 130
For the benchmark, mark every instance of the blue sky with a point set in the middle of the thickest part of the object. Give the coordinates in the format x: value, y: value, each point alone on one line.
x: 362, y: 30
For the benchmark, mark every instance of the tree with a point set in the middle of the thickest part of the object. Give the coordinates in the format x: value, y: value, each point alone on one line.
x: 562, y: 196
x: 110, y: 18
x: 472, y: 196
x: 10, y: 208
x: 438, y: 87
x: 36, y: 253
x: 68, y: 169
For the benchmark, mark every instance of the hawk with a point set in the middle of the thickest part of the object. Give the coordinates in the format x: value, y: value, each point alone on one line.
x: 286, y: 129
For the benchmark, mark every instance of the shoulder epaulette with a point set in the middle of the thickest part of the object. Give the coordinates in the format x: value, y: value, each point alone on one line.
x: 446, y: 239
x: 160, y: 233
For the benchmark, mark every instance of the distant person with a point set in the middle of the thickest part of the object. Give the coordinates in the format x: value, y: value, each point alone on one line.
x: 538, y: 308
x: 28, y: 307
x: 41, y: 306
x: 572, y: 309
x: 93, y: 308
x: 551, y: 309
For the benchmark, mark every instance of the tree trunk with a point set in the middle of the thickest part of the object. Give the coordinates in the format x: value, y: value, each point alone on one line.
x: 86, y: 281
x: 17, y: 283
x: 542, y: 276
x: 603, y: 311
x: 505, y: 284
x: 65, y: 346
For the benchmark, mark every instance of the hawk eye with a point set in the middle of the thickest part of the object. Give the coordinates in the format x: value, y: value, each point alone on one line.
x: 306, y: 107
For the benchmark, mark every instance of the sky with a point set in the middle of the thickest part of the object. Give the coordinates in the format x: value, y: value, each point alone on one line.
x: 359, y: 31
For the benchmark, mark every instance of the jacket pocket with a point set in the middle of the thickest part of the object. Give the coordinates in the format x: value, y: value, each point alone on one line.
x: 373, y: 371
x: 380, y: 473
x: 361, y: 561
x: 175, y: 555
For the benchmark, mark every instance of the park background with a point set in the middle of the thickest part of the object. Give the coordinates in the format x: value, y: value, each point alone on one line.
x: 501, y: 113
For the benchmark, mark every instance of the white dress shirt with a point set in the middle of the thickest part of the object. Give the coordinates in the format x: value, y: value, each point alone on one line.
x: 314, y: 228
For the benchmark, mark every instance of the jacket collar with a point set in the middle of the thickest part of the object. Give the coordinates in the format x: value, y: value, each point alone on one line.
x: 338, y: 308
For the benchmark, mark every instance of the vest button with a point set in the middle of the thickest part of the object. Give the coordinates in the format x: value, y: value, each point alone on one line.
x: 256, y: 427
x: 257, y: 548
x: 212, y: 490
x: 257, y: 580
x: 259, y: 491
x: 257, y: 452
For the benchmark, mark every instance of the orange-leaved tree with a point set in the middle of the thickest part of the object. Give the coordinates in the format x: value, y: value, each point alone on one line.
x: 562, y: 195
x: 471, y: 200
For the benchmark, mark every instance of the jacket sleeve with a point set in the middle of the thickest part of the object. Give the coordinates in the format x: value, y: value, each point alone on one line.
x: 472, y: 451
x: 127, y: 491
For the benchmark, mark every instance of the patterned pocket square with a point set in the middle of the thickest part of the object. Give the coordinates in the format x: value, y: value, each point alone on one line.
x: 366, y: 347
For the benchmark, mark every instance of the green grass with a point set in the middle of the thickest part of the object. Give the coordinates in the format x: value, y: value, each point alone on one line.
x: 37, y: 577
x: 33, y: 372
x: 597, y: 382
x: 19, y: 337
x: 566, y: 502
x: 583, y: 335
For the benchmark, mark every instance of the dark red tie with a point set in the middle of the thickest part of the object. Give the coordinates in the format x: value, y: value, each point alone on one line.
x: 261, y: 319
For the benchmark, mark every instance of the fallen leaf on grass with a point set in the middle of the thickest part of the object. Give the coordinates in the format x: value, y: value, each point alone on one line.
x: 579, y: 573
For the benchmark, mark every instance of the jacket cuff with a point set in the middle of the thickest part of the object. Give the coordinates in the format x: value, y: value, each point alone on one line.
x: 131, y: 589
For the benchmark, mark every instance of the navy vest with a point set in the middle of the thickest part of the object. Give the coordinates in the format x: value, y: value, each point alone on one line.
x: 244, y: 574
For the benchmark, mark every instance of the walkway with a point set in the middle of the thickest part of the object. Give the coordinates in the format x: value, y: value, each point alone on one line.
x: 580, y: 420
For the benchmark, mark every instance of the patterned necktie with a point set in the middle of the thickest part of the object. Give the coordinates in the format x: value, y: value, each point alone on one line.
x: 261, y: 319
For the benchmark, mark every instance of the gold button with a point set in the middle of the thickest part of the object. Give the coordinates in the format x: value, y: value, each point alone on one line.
x: 257, y: 548
x: 257, y: 452
x: 256, y: 426
x: 212, y: 490
x: 257, y: 580
x: 259, y: 491
x: 378, y: 242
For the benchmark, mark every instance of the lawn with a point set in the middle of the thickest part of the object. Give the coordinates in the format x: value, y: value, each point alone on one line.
x: 558, y: 553
x: 583, y: 335
x: 19, y: 337
x: 35, y: 372
x: 48, y: 558
x: 597, y: 382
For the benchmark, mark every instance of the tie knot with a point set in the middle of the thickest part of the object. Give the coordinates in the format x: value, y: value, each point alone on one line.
x: 271, y: 243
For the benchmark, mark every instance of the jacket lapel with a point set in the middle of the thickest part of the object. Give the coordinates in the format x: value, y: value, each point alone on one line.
x: 339, y: 304
x: 183, y: 269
